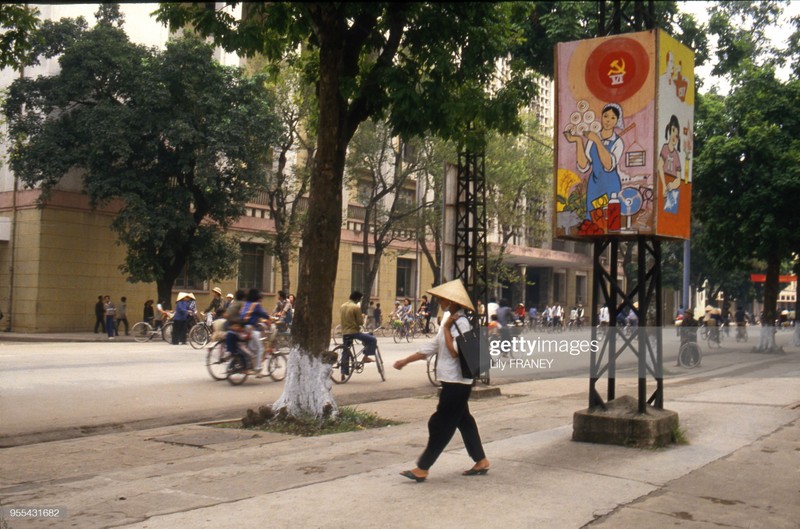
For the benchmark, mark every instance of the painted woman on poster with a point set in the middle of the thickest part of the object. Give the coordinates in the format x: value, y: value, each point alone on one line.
x: 600, y: 153
x: 669, y: 165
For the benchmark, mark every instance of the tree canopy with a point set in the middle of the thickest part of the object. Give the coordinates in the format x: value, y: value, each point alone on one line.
x: 424, y: 68
x: 176, y: 137
x: 747, y: 176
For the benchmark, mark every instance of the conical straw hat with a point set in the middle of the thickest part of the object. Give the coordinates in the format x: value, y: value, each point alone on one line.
x: 453, y: 291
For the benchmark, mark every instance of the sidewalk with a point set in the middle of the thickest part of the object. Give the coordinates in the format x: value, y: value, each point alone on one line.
x: 739, y: 470
x: 87, y: 336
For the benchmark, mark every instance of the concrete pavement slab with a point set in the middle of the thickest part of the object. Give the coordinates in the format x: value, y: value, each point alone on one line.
x: 539, y: 478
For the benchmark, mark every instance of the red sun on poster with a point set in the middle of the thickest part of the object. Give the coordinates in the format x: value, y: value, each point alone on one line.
x: 617, y: 69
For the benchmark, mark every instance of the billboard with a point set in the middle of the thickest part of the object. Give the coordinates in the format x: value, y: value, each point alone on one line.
x: 624, y: 112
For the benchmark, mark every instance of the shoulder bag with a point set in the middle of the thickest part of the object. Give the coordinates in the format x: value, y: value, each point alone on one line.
x: 473, y: 352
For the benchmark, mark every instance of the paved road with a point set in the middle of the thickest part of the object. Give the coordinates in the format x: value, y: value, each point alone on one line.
x: 59, y: 390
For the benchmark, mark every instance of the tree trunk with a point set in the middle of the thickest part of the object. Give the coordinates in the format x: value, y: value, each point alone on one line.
x: 307, y: 390
x: 164, y: 288
x: 771, y: 290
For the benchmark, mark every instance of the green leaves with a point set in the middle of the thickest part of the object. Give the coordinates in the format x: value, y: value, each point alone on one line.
x: 179, y: 139
x: 746, y: 176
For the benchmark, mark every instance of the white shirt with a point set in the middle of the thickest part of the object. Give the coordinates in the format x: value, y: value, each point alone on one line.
x: 491, y: 310
x: 448, y: 369
x: 604, y: 316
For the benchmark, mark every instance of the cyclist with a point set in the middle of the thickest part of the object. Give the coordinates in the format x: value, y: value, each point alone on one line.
x: 424, y: 312
x: 740, y: 319
x: 406, y: 314
x: 352, y: 320
x: 688, y: 330
x: 252, y: 314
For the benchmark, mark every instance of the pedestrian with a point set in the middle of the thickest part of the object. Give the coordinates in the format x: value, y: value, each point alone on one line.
x: 452, y: 412
x: 110, y: 312
x: 99, y: 314
x: 149, y: 313
x: 122, y: 315
x: 180, y: 318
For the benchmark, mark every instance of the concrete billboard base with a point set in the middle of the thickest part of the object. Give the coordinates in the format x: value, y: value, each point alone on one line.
x: 622, y: 424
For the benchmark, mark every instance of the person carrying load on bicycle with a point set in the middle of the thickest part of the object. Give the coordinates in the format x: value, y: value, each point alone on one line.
x: 352, y: 320
x: 251, y: 315
x: 452, y: 411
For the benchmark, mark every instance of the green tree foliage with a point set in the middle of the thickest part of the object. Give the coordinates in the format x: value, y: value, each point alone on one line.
x: 518, y: 186
x: 18, y: 23
x: 173, y: 135
x: 293, y: 154
x: 383, y: 171
x: 547, y: 23
x: 746, y: 174
x: 748, y: 177
x: 421, y: 67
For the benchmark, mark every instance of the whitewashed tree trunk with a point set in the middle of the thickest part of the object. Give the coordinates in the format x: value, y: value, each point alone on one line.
x: 767, y: 342
x: 307, y: 388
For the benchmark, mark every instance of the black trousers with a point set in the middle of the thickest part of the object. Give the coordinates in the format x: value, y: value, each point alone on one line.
x: 452, y: 413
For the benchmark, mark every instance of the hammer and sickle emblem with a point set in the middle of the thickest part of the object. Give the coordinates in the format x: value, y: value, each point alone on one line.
x: 617, y: 67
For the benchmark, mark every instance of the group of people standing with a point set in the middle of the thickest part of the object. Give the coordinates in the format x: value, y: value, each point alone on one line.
x: 108, y: 316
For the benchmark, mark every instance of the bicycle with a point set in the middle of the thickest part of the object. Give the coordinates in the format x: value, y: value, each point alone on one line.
x: 714, y: 337
x: 433, y: 361
x: 144, y: 332
x: 689, y: 355
x: 222, y: 365
x: 347, y: 360
x: 741, y: 333
x: 419, y: 326
x: 200, y: 334
x: 402, y: 331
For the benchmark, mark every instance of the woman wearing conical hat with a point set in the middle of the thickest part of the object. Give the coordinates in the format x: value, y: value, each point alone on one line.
x: 452, y: 412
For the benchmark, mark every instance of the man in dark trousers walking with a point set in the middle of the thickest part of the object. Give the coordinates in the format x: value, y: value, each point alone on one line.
x: 99, y: 314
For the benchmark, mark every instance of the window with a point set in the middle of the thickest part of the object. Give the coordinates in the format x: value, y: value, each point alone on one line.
x: 580, y: 288
x: 406, y: 269
x: 358, y: 265
x: 186, y: 282
x: 559, y: 287
x: 255, y: 268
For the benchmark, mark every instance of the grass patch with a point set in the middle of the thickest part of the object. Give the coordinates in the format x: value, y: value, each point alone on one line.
x: 349, y: 419
x: 679, y: 436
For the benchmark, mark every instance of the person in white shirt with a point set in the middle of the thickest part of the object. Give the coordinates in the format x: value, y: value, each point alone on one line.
x: 452, y: 411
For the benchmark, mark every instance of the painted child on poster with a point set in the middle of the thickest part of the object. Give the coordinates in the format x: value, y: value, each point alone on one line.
x: 624, y: 122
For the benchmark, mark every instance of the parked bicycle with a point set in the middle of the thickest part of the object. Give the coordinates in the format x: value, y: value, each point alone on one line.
x: 144, y: 332
x: 348, y: 361
x: 200, y: 334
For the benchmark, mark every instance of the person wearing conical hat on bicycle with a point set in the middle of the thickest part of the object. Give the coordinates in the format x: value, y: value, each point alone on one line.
x: 452, y: 412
